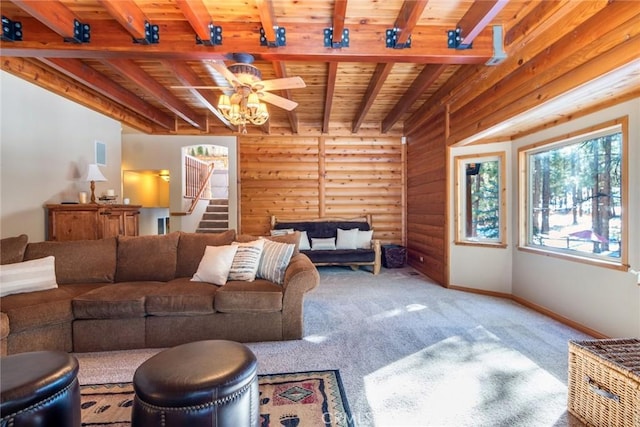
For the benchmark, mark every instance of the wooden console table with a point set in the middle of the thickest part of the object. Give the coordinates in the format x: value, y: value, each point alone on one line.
x: 91, y: 221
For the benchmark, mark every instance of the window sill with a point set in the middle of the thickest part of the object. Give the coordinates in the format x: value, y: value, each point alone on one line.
x: 576, y: 258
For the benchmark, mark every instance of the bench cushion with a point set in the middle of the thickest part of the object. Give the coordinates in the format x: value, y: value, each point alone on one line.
x: 341, y: 256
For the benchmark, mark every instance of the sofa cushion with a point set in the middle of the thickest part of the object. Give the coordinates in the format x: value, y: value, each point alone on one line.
x: 191, y: 249
x: 341, y: 256
x: 259, y: 296
x: 181, y: 297
x: 115, y: 301
x: 81, y: 261
x: 33, y: 310
x: 28, y: 276
x: 147, y: 258
x: 12, y: 249
x: 291, y: 238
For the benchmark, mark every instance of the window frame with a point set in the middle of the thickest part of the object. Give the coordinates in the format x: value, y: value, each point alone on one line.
x: 460, y: 204
x: 621, y: 125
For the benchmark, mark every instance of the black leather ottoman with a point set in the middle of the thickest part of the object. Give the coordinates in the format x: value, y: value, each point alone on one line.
x: 39, y: 388
x: 204, y: 383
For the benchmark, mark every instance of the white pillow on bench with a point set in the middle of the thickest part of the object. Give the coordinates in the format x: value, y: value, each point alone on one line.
x: 318, y: 244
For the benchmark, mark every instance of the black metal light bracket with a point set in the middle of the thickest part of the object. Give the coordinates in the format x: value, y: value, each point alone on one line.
x: 328, y: 38
x: 11, y: 30
x: 454, y: 40
x: 215, y: 36
x: 81, y: 33
x: 151, y: 34
x: 281, y: 38
x: 392, y: 39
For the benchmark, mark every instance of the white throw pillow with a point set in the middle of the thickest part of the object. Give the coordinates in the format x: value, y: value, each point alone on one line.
x: 275, y: 260
x: 246, y: 261
x: 304, y: 241
x: 347, y: 239
x: 364, y: 239
x: 328, y: 243
x: 28, y: 276
x: 282, y: 231
x: 215, y: 264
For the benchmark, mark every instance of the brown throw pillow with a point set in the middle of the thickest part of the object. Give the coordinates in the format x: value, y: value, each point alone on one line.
x: 191, y: 248
x: 12, y: 249
x: 147, y: 257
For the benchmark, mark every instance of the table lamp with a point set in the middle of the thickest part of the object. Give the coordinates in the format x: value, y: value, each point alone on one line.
x: 93, y: 175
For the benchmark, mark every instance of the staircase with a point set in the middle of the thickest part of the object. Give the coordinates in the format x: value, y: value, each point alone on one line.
x: 216, y: 217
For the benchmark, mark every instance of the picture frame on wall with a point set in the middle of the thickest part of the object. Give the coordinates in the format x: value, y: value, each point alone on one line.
x: 101, y: 153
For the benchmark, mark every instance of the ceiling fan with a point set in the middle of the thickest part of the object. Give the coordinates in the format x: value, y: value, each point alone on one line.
x: 245, y: 78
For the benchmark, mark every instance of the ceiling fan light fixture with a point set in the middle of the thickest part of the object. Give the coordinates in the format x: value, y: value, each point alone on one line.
x: 224, y: 104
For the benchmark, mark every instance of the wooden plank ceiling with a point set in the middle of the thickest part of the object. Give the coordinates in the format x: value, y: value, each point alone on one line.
x: 366, y: 86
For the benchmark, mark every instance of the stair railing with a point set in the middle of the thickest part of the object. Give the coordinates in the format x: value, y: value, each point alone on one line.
x: 203, y: 185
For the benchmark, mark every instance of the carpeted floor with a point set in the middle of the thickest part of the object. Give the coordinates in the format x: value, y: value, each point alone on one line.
x: 412, y: 353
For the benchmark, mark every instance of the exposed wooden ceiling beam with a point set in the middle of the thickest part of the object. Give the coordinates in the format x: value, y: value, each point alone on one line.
x: 304, y: 43
x: 35, y: 71
x: 339, y: 15
x: 281, y: 72
x: 268, y: 19
x: 188, y: 77
x: 369, y: 97
x: 129, y: 15
x: 133, y: 72
x: 52, y: 14
x: 328, y: 100
x: 97, y: 81
x: 408, y: 18
x: 425, y: 79
x: 479, y: 15
x: 198, y: 16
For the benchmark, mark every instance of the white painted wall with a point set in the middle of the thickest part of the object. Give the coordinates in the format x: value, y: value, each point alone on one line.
x: 46, y: 143
x: 143, y: 152
x: 480, y: 267
x: 603, y: 299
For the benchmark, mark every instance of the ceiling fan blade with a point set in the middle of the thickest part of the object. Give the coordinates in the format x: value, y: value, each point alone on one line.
x: 278, y: 101
x: 279, y: 84
x: 222, y: 69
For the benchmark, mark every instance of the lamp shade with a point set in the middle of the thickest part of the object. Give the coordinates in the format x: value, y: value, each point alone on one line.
x: 94, y: 174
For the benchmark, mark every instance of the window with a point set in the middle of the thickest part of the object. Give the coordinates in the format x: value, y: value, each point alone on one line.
x: 575, y: 195
x: 480, y: 204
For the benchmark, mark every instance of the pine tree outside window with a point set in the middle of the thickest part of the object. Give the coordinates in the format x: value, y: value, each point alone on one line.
x: 574, y: 200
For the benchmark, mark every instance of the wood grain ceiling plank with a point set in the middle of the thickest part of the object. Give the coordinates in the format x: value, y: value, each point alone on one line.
x: 578, y: 76
x: 198, y: 16
x: 188, y: 77
x: 35, y: 71
x: 102, y: 84
x: 339, y: 15
x: 425, y: 79
x: 375, y: 84
x: 478, y: 17
x: 52, y: 14
x: 408, y: 17
x: 595, y: 36
x: 281, y: 73
x: 129, y: 15
x: 328, y: 98
x: 304, y: 43
x: 136, y: 74
x: 536, y: 19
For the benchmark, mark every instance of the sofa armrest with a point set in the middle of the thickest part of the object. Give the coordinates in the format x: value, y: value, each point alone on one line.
x: 375, y: 245
x: 300, y: 277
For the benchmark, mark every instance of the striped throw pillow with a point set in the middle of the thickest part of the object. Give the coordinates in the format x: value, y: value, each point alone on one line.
x: 28, y: 276
x: 246, y: 261
x: 275, y: 260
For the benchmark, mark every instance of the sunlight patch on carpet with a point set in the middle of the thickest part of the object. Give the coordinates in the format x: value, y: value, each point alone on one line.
x: 462, y: 379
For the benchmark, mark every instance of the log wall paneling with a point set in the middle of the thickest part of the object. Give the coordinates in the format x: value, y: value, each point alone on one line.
x: 427, y: 199
x: 311, y: 177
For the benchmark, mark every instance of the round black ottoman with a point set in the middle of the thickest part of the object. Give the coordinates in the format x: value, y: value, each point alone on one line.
x: 204, y: 383
x: 39, y: 388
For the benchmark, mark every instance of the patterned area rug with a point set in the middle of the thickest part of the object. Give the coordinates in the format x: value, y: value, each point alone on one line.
x: 296, y: 399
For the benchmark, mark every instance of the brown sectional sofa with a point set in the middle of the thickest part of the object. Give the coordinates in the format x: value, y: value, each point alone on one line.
x: 136, y: 292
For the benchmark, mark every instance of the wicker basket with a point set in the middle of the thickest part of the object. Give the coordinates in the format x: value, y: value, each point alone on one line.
x: 604, y: 382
